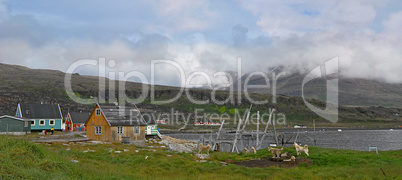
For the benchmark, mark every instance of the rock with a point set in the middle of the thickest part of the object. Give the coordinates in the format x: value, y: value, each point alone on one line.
x: 74, y: 161
x: 125, y: 150
x: 202, y: 161
x: 165, y: 142
x: 169, y: 155
x: 202, y: 156
x: 146, y: 157
x: 118, y: 152
x: 137, y: 151
x: 179, y: 148
x: 139, y: 143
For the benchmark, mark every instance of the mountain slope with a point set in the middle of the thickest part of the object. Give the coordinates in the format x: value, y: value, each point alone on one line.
x: 352, y: 91
x: 23, y: 85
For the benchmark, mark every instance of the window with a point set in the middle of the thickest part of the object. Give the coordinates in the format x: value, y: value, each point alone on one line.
x: 136, y: 129
x: 98, y: 130
x: 42, y: 122
x: 98, y: 113
x: 33, y: 123
x: 26, y: 124
x: 51, y: 122
x: 120, y: 130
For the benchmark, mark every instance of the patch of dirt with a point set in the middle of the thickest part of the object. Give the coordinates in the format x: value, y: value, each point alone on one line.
x: 271, y: 162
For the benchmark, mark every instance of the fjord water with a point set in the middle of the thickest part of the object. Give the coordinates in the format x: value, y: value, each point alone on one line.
x: 359, y: 140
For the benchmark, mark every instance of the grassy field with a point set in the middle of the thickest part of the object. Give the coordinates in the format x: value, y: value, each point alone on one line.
x: 22, y: 159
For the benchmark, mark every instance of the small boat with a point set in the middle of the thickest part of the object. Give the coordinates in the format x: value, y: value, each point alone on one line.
x: 339, y: 130
x: 391, y: 129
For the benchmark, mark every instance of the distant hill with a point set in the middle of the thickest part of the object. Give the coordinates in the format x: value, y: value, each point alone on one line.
x: 20, y: 84
x: 352, y: 91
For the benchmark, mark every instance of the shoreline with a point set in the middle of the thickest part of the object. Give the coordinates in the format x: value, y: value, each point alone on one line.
x: 318, y: 129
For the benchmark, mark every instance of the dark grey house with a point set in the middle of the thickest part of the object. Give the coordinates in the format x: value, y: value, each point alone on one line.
x: 44, y: 116
x: 14, y: 125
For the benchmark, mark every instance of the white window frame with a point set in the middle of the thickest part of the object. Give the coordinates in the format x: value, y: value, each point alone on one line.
x: 139, y: 130
x: 98, y: 112
x: 33, y: 124
x: 44, y: 122
x: 120, y: 130
x: 98, y: 130
x: 54, y: 122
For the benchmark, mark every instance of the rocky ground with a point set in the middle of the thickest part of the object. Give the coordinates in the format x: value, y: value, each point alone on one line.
x: 179, y: 145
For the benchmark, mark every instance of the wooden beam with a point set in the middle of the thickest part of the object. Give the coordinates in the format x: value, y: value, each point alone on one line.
x: 258, y: 128
x: 266, y: 129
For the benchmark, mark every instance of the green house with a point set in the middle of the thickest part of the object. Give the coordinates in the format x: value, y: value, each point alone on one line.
x: 43, y: 116
x: 14, y: 125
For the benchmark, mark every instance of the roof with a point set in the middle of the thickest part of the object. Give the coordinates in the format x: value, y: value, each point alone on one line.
x: 79, y: 117
x: 13, y: 117
x: 122, y: 115
x: 149, y: 118
x: 40, y: 111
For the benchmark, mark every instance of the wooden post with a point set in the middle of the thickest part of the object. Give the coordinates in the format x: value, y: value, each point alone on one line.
x: 315, y: 135
x: 276, y: 137
x: 210, y: 138
x: 235, y: 139
x: 314, y: 124
x: 258, y: 128
x: 266, y: 129
x: 244, y: 125
x: 248, y: 115
x: 219, y: 133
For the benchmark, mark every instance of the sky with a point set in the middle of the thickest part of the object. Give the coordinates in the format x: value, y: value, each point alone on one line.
x: 204, y: 36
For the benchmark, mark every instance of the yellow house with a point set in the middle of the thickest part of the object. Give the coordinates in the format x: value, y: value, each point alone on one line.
x: 109, y: 122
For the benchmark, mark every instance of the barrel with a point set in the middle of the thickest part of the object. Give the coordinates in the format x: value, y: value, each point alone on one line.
x: 125, y: 140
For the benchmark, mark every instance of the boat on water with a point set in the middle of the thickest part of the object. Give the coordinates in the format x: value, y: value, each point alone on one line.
x: 339, y: 130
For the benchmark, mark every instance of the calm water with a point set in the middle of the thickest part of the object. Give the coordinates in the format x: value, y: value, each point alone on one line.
x: 360, y: 140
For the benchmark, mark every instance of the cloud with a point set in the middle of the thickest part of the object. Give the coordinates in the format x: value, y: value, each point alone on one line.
x: 352, y: 13
x: 182, y: 15
x: 293, y: 34
x: 239, y: 33
x: 394, y: 23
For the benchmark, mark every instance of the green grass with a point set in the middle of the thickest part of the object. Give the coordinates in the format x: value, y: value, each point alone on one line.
x: 22, y: 159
